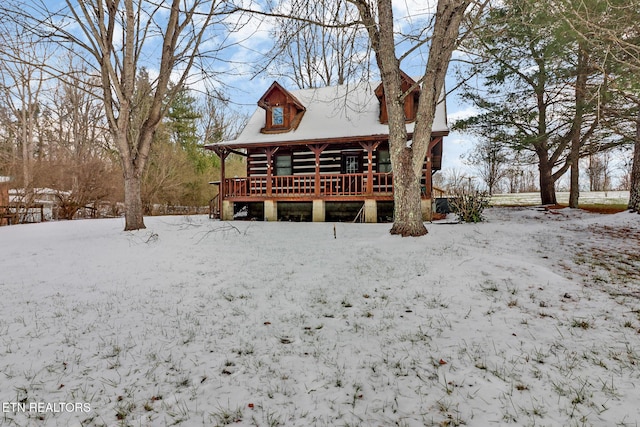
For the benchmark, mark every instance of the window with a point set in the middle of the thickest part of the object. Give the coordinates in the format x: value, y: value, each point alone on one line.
x: 284, y: 164
x: 384, y: 161
x: 277, y: 116
x: 351, y: 163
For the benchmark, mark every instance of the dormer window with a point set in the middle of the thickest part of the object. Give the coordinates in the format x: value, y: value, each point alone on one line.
x: 283, y: 111
x: 410, y: 101
x: 277, y: 116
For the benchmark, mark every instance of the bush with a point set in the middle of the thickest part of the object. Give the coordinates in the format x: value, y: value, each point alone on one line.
x: 468, y: 205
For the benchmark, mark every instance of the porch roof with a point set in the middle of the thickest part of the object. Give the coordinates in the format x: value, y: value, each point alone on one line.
x: 333, y: 113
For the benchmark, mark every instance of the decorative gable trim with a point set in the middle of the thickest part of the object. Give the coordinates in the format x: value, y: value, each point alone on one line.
x: 283, y: 111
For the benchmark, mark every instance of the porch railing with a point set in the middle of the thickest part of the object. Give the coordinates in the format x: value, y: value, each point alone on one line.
x: 353, y: 184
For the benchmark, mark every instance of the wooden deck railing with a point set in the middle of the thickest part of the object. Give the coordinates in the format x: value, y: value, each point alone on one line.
x: 354, y: 184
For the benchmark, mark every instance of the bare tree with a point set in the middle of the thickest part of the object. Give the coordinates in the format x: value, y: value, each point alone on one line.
x: 452, y: 179
x: 316, y: 51
x: 490, y: 159
x: 407, y: 158
x: 118, y: 38
x: 78, y: 165
x: 217, y: 122
x: 598, y: 171
x: 22, y: 82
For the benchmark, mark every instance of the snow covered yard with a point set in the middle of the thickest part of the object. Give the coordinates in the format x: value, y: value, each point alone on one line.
x: 532, y: 318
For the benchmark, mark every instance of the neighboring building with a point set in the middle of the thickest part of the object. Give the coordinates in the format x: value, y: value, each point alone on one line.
x: 5, y: 216
x: 322, y: 155
x: 4, y: 190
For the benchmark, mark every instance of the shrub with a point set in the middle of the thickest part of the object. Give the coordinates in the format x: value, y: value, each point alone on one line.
x: 469, y: 204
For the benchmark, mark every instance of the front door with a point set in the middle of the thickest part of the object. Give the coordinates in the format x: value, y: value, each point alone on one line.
x: 352, y: 164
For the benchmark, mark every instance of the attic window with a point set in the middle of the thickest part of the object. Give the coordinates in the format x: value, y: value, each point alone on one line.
x: 277, y: 116
x: 283, y: 111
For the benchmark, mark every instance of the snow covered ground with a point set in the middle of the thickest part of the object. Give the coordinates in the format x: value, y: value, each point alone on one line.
x: 532, y: 318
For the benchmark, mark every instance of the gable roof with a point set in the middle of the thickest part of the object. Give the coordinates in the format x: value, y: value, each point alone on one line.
x: 336, y: 112
x: 276, y: 86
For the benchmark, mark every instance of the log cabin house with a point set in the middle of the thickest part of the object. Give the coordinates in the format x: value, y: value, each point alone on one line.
x: 321, y: 155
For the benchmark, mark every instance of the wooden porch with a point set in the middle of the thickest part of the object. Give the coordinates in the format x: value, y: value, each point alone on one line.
x: 351, y: 186
x: 315, y: 179
x: 322, y: 194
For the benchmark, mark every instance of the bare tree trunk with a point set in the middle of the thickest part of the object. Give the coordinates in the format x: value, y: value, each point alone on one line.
x: 22, y: 82
x: 547, y: 183
x: 634, y: 196
x: 574, y: 193
x: 406, y: 186
x: 133, y: 201
x: 27, y: 149
x: 407, y: 208
x: 578, y: 119
x: 407, y: 159
x: 407, y: 213
x: 111, y: 36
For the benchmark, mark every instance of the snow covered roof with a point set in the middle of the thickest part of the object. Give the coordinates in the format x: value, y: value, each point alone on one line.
x: 331, y: 113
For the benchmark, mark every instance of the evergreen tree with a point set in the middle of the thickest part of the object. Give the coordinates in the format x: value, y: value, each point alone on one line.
x: 182, y: 121
x: 535, y: 93
x: 612, y: 28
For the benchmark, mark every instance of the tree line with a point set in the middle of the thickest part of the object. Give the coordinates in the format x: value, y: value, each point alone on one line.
x: 553, y: 81
x: 54, y: 134
x: 551, y: 90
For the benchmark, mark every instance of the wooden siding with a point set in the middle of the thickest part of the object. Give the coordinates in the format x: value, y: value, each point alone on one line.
x: 304, y: 161
x: 300, y: 183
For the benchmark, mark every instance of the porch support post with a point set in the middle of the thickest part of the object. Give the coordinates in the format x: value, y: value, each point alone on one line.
x: 270, y: 210
x: 426, y: 202
x: 223, y: 153
x: 226, y: 213
x: 270, y: 152
x: 428, y: 173
x: 426, y: 206
x: 318, y: 210
x: 370, y: 147
x: 317, y: 150
x: 370, y: 210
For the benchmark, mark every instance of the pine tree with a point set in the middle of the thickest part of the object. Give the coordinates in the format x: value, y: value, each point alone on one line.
x: 535, y: 93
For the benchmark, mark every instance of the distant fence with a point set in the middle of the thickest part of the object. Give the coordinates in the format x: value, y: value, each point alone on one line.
x: 15, y: 213
x: 179, y: 210
x: 21, y: 214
